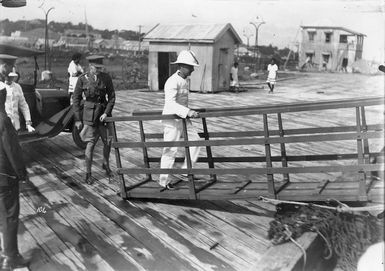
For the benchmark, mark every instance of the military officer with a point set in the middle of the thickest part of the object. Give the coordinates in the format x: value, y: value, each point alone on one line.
x: 99, y: 93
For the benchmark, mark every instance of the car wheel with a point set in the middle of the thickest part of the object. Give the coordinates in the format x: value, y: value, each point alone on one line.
x: 76, y: 137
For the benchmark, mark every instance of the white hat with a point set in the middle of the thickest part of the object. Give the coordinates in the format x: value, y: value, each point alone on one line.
x: 11, y: 74
x: 187, y: 57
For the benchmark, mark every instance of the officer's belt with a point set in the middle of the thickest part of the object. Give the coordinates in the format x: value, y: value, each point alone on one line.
x: 95, y: 99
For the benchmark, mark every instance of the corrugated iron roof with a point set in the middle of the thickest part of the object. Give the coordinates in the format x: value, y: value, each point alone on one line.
x: 191, y: 33
x: 334, y: 27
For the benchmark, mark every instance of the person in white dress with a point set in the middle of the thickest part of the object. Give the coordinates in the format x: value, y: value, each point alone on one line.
x: 234, y: 83
x: 272, y: 69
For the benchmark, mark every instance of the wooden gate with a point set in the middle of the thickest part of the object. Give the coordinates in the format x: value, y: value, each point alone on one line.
x: 277, y: 167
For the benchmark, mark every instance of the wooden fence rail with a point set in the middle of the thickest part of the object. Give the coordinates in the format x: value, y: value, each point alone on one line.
x: 362, y: 187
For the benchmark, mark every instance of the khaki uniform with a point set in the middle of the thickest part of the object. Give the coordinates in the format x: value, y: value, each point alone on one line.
x: 99, y: 94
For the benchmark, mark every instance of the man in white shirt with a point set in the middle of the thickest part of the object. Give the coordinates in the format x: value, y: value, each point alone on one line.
x: 272, y: 68
x: 15, y: 102
x: 176, y: 92
x: 74, y: 71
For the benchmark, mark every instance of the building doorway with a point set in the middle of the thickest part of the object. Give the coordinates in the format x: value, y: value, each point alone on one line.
x: 223, y: 72
x: 344, y: 64
x: 325, y: 61
x: 164, y: 67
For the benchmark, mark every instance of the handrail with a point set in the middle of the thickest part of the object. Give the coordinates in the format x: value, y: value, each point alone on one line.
x: 282, y: 108
x: 380, y: 101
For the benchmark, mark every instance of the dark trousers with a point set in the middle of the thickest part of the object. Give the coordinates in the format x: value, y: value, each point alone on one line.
x: 9, y: 218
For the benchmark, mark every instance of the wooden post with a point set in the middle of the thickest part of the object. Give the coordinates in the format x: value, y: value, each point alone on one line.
x: 270, y: 177
x: 213, y: 177
x: 286, y: 177
x: 189, y: 163
x: 362, y: 179
x: 145, y: 153
x: 364, y: 128
x: 123, y: 192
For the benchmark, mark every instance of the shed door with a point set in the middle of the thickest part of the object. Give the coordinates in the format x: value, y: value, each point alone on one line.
x: 223, y: 73
x: 164, y: 67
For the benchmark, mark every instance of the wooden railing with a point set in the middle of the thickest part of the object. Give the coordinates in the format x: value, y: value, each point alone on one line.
x: 360, y: 133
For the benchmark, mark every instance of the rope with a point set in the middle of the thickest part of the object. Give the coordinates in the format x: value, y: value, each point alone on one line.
x: 346, y: 233
x: 341, y: 208
x: 289, y: 234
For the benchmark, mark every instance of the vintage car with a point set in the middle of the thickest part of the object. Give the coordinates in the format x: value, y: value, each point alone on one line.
x: 50, y: 108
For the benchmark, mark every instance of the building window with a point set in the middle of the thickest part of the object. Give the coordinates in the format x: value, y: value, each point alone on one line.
x: 343, y: 38
x: 328, y: 37
x: 311, y: 35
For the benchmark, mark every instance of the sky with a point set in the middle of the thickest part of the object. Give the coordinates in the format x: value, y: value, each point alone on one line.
x: 282, y: 17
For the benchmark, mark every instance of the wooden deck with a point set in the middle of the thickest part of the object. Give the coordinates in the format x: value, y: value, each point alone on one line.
x: 81, y: 227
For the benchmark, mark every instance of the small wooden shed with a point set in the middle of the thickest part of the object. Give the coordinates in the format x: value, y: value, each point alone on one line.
x: 214, y: 48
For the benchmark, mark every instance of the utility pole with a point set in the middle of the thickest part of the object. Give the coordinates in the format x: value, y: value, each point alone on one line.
x: 257, y: 24
x: 140, y: 38
x: 87, y: 32
x: 247, y: 33
x: 46, y: 43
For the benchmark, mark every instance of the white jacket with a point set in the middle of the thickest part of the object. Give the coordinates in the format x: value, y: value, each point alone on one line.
x: 176, y: 96
x: 15, y: 101
x: 73, y: 70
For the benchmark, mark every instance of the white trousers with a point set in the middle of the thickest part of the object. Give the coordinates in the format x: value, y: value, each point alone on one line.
x: 173, y: 131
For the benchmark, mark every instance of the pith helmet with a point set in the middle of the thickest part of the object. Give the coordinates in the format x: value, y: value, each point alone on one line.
x: 187, y: 57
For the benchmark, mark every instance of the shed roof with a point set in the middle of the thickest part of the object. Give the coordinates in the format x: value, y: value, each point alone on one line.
x: 334, y: 27
x: 206, y: 33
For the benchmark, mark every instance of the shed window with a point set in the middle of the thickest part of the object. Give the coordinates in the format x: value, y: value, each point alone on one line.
x: 311, y: 35
x: 328, y: 37
x: 343, y: 38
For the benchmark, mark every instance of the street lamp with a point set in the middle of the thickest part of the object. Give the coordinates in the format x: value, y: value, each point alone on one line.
x: 256, y: 25
x: 46, y: 43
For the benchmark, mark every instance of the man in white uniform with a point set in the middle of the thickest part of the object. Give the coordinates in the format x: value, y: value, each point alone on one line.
x: 176, y: 92
x: 15, y: 102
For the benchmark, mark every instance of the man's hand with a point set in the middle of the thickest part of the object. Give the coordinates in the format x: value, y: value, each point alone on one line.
x: 103, y: 117
x: 193, y: 114
x: 78, y: 125
x: 30, y: 128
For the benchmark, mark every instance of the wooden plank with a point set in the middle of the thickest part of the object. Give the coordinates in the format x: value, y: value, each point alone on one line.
x: 270, y: 177
x: 297, y: 158
x: 221, y: 109
x: 283, y: 148
x: 286, y: 254
x: 208, y: 149
x: 362, y: 177
x: 321, y: 186
x: 49, y: 245
x: 317, y: 130
x: 253, y: 141
x: 144, y: 150
x: 218, y: 171
x: 79, y: 221
x: 188, y: 161
x: 174, y: 255
x: 240, y: 187
x: 118, y: 163
x: 295, y: 107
